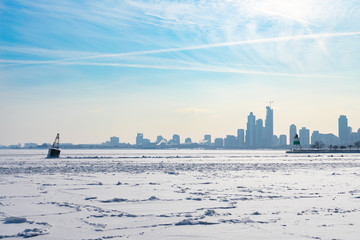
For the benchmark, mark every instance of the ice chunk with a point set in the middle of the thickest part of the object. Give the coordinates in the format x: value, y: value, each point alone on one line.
x: 10, y: 220
x: 152, y: 198
x: 27, y: 233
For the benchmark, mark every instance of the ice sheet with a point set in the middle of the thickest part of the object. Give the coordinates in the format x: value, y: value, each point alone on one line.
x: 179, y: 194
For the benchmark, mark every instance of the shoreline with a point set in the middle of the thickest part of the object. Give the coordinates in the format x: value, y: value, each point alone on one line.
x: 321, y: 151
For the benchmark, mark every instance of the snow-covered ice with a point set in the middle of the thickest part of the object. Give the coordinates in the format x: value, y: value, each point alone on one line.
x: 179, y: 194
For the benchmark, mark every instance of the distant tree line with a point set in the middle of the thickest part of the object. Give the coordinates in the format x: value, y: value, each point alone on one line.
x: 319, y: 145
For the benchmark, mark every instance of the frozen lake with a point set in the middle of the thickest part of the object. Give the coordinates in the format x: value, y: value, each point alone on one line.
x: 179, y: 194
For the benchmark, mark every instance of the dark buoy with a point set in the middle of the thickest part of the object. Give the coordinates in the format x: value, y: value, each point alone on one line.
x: 54, y: 151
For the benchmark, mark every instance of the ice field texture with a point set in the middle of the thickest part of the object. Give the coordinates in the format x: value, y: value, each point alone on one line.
x: 179, y: 194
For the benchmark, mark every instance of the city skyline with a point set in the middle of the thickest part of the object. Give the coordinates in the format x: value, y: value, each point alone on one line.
x: 94, y: 69
x: 255, y: 135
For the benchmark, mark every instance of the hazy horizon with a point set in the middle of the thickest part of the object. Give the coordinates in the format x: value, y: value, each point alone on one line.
x: 95, y: 69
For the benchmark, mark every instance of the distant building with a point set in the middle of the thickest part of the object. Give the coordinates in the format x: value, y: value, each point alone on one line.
x: 188, y: 140
x: 275, y: 141
x: 30, y: 145
x: 230, y: 141
x: 259, y: 136
x: 139, y: 139
x: 327, y: 139
x: 207, y: 139
x: 269, y: 127
x: 304, y: 137
x: 66, y: 145
x: 159, y: 139
x: 18, y: 146
x: 292, y: 133
x: 250, y: 131
x: 176, y: 139
x: 219, y: 142
x: 240, y: 137
x: 343, y: 130
x: 353, y: 137
x: 283, y: 141
x: 114, y: 140
x: 315, y: 137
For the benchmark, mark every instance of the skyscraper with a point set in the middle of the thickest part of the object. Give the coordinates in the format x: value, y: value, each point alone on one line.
x: 259, y: 136
x: 292, y: 134
x: 240, y: 137
x: 343, y: 129
x: 304, y: 137
x: 269, y: 127
x: 250, y: 131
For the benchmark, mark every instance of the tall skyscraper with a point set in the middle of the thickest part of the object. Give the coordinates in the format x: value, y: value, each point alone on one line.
x: 240, y: 137
x: 292, y: 134
x: 343, y: 129
x: 250, y: 131
x: 304, y: 137
x: 269, y: 127
x: 259, y: 136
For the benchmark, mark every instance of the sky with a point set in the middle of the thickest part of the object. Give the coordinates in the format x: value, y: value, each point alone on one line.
x: 95, y: 69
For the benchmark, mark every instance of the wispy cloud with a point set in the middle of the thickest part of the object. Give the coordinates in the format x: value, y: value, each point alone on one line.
x: 196, y: 67
x: 42, y: 52
x: 214, y: 22
x: 77, y: 55
x: 165, y: 64
x: 227, y: 44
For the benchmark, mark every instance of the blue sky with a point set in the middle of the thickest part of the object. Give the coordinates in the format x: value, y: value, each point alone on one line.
x: 94, y: 69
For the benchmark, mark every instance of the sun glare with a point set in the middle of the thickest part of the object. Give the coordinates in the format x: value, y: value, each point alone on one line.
x: 297, y: 10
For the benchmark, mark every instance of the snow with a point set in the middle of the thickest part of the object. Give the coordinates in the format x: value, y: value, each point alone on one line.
x: 179, y: 194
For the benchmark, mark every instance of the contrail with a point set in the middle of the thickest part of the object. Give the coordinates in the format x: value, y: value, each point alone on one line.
x: 211, y: 45
x: 201, y: 68
x: 205, y: 68
x: 225, y: 44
